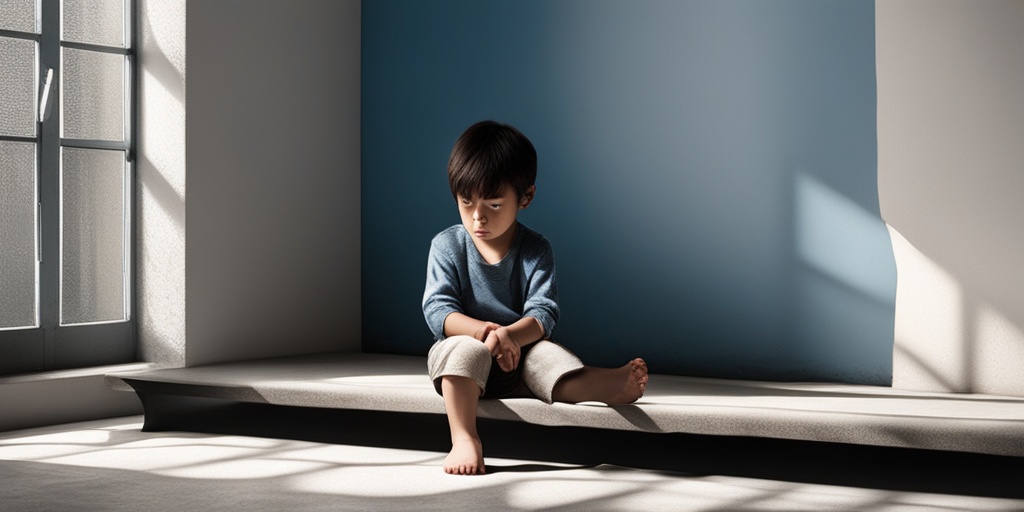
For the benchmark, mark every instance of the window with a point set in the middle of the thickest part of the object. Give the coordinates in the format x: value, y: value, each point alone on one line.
x: 66, y: 179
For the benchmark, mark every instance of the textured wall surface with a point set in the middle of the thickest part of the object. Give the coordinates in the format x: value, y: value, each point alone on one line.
x: 160, y: 183
x: 951, y: 179
x: 707, y: 174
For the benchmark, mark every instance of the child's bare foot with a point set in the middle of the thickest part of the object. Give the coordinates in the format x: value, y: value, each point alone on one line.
x: 635, y: 375
x: 466, y: 458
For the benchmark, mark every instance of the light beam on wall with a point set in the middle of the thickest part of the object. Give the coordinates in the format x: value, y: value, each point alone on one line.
x: 999, y: 349
x: 929, y: 323
x: 838, y: 237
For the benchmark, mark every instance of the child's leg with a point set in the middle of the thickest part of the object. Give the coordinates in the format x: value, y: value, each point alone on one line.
x: 461, y: 396
x: 459, y: 367
x: 613, y: 386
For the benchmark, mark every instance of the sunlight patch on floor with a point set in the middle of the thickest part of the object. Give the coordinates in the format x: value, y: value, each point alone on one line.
x: 414, y: 480
x: 398, y: 381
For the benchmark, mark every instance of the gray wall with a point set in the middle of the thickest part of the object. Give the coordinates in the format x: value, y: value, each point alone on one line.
x: 272, y: 243
x: 951, y: 180
x: 248, y: 205
x: 707, y: 174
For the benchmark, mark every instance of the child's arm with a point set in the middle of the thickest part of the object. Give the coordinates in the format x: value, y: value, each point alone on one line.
x: 504, y: 342
x: 525, y: 331
x: 541, y: 295
x: 457, y: 323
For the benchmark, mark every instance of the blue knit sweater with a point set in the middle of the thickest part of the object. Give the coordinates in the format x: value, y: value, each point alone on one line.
x: 459, y: 280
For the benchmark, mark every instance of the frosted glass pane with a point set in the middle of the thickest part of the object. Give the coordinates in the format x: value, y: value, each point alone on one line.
x: 19, y: 15
x: 17, y: 87
x: 94, y: 21
x: 92, y: 95
x: 17, y: 234
x: 92, y: 235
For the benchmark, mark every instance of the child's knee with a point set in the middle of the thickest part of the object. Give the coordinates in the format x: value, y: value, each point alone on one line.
x: 469, y: 348
x: 461, y: 356
x: 546, y: 365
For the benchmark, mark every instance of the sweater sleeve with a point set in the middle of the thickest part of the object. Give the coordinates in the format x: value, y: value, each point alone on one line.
x: 541, y: 292
x: 441, y: 296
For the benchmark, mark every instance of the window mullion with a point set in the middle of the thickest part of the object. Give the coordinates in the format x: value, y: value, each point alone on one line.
x: 95, y: 144
x: 95, y: 48
x: 19, y: 35
x: 49, y: 181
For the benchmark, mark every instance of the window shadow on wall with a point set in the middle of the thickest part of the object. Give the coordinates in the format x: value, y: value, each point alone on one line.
x: 160, y: 183
x: 950, y: 336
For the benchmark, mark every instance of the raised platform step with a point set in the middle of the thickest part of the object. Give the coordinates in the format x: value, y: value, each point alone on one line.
x: 834, y: 413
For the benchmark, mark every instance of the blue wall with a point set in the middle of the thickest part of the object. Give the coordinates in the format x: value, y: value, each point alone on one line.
x: 707, y: 174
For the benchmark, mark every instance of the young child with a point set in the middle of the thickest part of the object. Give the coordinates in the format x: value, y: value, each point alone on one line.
x: 491, y: 299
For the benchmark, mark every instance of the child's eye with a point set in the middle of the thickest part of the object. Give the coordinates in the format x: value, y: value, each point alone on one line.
x: 495, y: 205
x: 466, y: 202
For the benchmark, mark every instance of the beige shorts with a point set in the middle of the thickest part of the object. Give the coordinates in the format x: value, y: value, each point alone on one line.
x: 541, y: 366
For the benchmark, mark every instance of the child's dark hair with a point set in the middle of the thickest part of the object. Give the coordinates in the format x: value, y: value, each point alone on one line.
x: 488, y: 157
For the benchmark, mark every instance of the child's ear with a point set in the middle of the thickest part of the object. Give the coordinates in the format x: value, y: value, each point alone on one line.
x: 528, y: 197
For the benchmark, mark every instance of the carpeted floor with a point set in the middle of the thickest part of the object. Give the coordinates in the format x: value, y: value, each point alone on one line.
x: 111, y: 465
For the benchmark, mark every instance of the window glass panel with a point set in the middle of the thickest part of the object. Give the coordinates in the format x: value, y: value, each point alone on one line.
x: 92, y: 95
x: 17, y: 234
x: 94, y: 21
x: 92, y: 235
x: 17, y: 87
x: 19, y: 15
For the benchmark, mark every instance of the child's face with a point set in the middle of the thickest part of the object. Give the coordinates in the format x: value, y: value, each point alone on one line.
x: 490, y: 219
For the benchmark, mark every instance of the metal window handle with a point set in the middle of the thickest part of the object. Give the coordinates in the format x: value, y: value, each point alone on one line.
x: 39, y: 232
x: 44, y: 99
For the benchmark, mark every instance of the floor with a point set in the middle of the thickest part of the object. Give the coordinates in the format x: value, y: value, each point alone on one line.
x: 258, y: 458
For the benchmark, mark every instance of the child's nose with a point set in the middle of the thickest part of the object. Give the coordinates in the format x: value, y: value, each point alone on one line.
x: 478, y: 214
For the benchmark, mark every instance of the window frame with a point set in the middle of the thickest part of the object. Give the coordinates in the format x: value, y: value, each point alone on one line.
x: 50, y: 345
